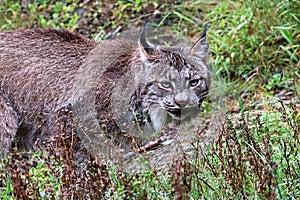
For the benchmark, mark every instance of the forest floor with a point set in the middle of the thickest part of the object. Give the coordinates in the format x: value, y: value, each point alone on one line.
x: 247, y: 145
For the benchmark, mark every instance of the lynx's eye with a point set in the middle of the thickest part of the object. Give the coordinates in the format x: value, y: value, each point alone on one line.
x: 165, y: 85
x: 195, y: 82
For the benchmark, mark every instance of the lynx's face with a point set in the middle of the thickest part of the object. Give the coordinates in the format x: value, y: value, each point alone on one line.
x: 163, y: 85
x: 179, y: 93
x: 172, y: 84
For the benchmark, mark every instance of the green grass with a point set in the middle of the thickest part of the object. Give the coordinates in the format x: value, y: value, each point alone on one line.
x: 257, y: 156
x: 55, y: 14
x: 255, y: 48
x: 41, y: 175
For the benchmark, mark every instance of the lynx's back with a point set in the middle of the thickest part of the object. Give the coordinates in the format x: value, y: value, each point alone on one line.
x: 37, y: 66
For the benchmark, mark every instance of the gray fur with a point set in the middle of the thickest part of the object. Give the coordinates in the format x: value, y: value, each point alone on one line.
x: 38, y: 69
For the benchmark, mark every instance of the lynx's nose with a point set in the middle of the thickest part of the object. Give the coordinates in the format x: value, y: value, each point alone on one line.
x: 181, y: 100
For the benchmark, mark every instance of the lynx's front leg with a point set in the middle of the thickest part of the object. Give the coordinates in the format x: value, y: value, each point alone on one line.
x: 8, y: 125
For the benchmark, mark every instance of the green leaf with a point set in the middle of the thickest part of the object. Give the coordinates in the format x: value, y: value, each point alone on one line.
x: 183, y: 17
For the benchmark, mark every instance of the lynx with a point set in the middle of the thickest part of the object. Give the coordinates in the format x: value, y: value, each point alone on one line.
x: 134, y: 83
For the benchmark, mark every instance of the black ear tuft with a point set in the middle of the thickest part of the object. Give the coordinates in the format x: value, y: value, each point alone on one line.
x: 146, y: 50
x: 143, y: 40
x: 204, y: 31
x: 201, y: 47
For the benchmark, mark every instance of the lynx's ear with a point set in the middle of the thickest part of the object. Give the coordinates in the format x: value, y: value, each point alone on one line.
x: 146, y: 50
x: 200, y: 48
